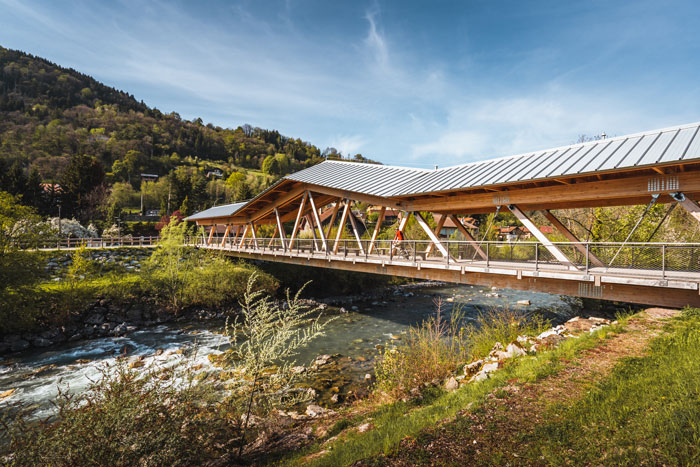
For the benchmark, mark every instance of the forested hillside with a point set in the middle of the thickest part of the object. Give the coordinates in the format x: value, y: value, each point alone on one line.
x: 59, y: 126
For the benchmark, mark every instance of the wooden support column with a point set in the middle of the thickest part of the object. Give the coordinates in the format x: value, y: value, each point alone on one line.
x: 280, y: 229
x: 297, y: 222
x: 310, y: 223
x: 333, y: 216
x: 689, y: 205
x: 245, y: 233
x: 468, y: 236
x: 223, y: 240
x: 438, y: 228
x: 434, y: 238
x: 572, y: 238
x: 211, y: 234
x: 272, y: 239
x: 353, y: 223
x: 553, y: 249
x: 235, y: 237
x: 318, y: 222
x: 377, y: 228
x: 341, y: 226
x: 255, y: 237
x: 402, y: 226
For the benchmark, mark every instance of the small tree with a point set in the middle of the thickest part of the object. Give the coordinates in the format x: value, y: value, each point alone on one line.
x: 170, y: 263
x: 269, y: 337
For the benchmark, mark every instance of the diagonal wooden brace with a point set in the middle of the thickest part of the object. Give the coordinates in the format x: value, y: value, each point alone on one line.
x: 572, y: 238
x: 552, y: 248
x: 318, y: 222
x: 438, y: 228
x: 468, y: 236
x: 688, y: 204
x: 434, y: 238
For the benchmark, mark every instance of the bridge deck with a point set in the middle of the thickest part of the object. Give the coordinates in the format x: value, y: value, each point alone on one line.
x: 666, y: 284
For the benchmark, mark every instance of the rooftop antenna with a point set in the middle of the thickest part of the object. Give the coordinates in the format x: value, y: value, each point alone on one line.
x: 436, y: 167
x: 603, y: 136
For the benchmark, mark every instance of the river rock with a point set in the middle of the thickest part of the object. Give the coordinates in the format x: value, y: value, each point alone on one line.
x: 514, y: 350
x: 473, y: 367
x: 451, y: 384
x: 314, y: 411
x: 523, y: 302
x: 364, y: 427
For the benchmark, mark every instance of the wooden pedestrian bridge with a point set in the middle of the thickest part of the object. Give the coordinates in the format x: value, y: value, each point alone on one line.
x: 655, y: 167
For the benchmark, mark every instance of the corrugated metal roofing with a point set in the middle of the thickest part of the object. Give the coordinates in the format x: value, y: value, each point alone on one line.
x: 217, y: 211
x: 371, y: 179
x: 675, y: 144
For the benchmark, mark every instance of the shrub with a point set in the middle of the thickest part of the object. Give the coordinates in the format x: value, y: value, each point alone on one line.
x: 500, y: 325
x: 431, y: 351
x: 130, y: 418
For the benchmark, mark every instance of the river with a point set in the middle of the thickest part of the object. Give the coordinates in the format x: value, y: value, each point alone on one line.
x: 355, y: 335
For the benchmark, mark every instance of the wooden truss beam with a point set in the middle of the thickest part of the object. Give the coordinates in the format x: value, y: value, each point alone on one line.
x: 377, y: 228
x: 468, y: 236
x: 310, y: 223
x: 689, y: 205
x: 223, y: 240
x: 211, y: 234
x: 438, y: 228
x: 341, y: 226
x: 553, y: 249
x: 572, y: 238
x: 584, y: 194
x: 405, y: 215
x: 245, y: 233
x: 333, y: 216
x: 297, y: 222
x: 254, y: 235
x: 353, y: 224
x: 434, y: 238
x: 280, y: 229
x: 318, y: 222
x: 371, y: 199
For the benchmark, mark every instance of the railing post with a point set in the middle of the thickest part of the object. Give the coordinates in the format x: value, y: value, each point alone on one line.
x: 588, y: 248
x: 488, y: 254
x: 537, y: 256
x: 663, y: 261
x: 415, y: 249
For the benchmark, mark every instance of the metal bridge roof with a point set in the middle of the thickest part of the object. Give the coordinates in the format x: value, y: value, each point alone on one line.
x: 217, y: 211
x: 370, y: 179
x: 675, y: 144
x: 652, y: 148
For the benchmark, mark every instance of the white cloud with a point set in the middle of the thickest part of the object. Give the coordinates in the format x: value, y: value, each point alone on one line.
x: 348, y: 145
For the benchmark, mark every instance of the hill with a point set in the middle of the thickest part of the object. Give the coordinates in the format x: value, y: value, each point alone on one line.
x: 59, y: 126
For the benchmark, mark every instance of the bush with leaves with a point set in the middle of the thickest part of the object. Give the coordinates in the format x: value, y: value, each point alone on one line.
x: 127, y: 417
x: 266, y: 338
x: 431, y: 351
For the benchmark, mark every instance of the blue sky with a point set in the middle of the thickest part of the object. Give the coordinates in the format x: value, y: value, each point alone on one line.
x: 410, y: 83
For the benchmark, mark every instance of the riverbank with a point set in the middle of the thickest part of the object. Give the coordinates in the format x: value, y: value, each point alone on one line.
x: 624, y: 394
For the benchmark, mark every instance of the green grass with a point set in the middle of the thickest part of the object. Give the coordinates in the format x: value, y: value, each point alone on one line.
x: 646, y: 412
x: 394, y: 422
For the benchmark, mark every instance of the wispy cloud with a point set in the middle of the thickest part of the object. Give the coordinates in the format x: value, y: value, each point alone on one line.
x: 401, y: 84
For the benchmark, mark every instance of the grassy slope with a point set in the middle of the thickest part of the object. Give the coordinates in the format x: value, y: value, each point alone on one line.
x: 399, y: 420
x: 646, y: 412
x: 644, y: 409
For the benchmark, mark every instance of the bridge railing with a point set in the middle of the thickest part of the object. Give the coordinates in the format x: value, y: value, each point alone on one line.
x: 101, y: 242
x: 660, y: 258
